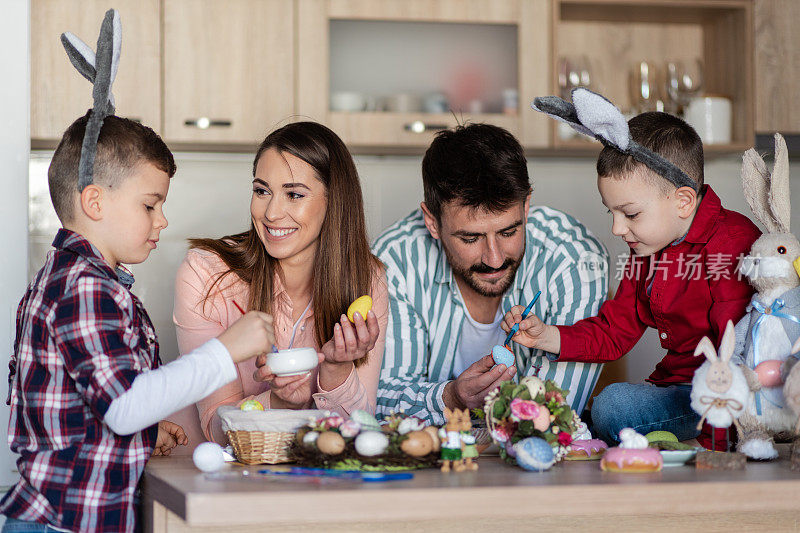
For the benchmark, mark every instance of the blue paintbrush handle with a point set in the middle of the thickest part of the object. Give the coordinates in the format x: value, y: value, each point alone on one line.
x: 525, y: 313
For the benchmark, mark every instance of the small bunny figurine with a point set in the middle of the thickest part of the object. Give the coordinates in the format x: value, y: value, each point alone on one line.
x: 720, y: 392
x: 452, y: 445
x: 764, y: 337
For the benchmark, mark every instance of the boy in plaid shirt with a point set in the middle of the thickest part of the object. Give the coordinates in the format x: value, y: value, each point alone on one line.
x: 86, y: 387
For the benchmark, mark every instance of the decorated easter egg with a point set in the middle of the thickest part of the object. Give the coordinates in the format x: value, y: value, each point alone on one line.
x: 310, y: 438
x: 251, y: 405
x: 433, y: 432
x: 371, y: 443
x: 366, y: 420
x: 657, y: 436
x: 418, y: 444
x: 502, y: 355
x: 542, y: 420
x: 361, y: 306
x: 330, y: 443
x: 208, y: 457
x: 534, y: 454
x: 769, y: 373
x: 534, y: 384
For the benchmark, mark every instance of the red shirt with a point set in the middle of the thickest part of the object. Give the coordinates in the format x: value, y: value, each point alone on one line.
x: 696, y: 289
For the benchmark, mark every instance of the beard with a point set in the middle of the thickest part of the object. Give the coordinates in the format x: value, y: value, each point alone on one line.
x: 484, y: 288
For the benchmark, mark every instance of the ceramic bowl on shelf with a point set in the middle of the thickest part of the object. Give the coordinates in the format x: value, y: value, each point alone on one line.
x: 293, y: 361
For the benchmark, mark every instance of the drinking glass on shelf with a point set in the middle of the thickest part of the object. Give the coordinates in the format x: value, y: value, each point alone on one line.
x: 645, y: 88
x: 684, y: 82
x: 573, y: 72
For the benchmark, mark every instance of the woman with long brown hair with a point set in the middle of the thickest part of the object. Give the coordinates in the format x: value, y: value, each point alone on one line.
x: 304, y: 259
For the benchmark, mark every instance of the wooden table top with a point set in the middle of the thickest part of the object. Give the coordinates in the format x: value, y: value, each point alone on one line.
x: 571, y: 487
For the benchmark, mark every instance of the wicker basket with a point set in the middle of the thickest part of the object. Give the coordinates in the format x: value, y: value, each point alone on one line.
x: 258, y: 447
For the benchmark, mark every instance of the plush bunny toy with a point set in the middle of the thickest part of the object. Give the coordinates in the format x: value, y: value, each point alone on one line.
x: 720, y: 391
x: 100, y: 69
x: 766, y: 334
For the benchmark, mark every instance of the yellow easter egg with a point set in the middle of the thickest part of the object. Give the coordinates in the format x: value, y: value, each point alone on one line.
x: 251, y: 405
x: 361, y: 306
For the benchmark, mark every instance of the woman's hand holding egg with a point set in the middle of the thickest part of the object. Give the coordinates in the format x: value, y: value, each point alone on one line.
x: 352, y: 341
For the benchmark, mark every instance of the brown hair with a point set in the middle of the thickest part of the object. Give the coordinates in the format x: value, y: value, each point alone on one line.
x: 478, y: 166
x: 664, y: 134
x: 343, y: 264
x: 122, y: 145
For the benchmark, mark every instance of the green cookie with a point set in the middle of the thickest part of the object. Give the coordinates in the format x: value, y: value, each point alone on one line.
x: 655, y: 436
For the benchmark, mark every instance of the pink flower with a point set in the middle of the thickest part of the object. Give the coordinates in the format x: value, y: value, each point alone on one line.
x: 332, y: 422
x: 524, y: 409
x: 564, y: 438
x: 554, y: 395
x: 500, y: 434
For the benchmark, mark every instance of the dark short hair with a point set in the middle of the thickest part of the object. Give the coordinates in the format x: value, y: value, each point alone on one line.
x: 123, y: 144
x: 664, y: 134
x: 478, y: 165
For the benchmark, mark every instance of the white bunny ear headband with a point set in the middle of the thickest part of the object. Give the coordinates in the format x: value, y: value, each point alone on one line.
x: 593, y: 115
x: 100, y: 69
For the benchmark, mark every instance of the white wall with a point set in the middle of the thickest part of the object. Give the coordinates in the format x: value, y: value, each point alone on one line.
x: 209, y: 196
x: 14, y: 154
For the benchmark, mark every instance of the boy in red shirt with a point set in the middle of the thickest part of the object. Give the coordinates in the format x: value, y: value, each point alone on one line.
x: 680, y: 279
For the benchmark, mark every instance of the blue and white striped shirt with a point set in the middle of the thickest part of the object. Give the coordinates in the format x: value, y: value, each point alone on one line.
x: 426, y: 311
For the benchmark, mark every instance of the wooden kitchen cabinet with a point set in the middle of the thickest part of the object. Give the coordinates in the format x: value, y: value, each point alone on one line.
x: 393, y: 131
x: 777, y: 60
x: 228, y: 66
x: 59, y: 94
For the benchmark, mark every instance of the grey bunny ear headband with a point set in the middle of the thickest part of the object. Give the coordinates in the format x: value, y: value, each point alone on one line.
x: 593, y: 115
x: 100, y: 69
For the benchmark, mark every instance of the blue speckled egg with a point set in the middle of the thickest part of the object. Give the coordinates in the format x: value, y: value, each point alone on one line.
x: 534, y: 454
x: 502, y: 356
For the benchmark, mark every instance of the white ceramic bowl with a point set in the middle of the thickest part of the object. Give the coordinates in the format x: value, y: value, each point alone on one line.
x: 293, y: 361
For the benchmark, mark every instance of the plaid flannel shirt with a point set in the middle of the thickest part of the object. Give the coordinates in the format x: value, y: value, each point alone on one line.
x: 81, y: 339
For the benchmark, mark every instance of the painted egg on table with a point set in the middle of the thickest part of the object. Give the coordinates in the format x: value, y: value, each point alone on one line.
x: 534, y: 454
x: 251, y: 405
x: 433, y: 432
x: 330, y: 443
x: 366, y: 420
x: 310, y: 438
x: 371, y: 443
x: 502, y: 356
x: 208, y: 457
x: 361, y: 306
x: 418, y: 444
x: 542, y: 420
x: 769, y: 373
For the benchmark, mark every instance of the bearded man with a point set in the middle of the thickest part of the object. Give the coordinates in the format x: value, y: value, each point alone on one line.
x: 454, y: 267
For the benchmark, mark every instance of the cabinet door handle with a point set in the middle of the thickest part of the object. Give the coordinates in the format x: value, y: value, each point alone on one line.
x: 204, y: 123
x: 421, y: 127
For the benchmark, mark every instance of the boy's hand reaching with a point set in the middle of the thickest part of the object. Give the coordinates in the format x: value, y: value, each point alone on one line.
x: 532, y: 333
x: 169, y: 436
x: 249, y: 336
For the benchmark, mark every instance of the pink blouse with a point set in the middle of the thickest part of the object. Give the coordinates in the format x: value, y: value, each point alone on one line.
x: 198, y: 320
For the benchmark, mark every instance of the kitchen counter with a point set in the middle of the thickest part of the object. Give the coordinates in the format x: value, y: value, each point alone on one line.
x: 572, y: 495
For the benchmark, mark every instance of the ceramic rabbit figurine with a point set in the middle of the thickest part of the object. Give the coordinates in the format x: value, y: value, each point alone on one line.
x: 720, y: 392
x: 766, y: 334
x: 450, y: 436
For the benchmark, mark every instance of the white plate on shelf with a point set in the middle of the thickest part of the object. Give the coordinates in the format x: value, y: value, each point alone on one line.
x: 677, y: 457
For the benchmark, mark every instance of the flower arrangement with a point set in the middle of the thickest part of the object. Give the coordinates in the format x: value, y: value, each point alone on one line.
x: 532, y: 408
x: 362, y: 443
